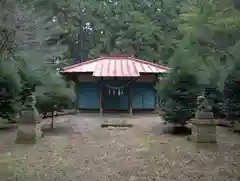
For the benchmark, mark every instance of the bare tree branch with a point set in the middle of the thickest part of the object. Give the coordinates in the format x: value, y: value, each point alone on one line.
x: 5, y: 43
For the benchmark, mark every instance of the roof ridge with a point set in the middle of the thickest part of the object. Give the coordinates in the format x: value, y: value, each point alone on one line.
x: 82, y: 63
x: 116, y: 57
x: 109, y: 57
x: 150, y: 63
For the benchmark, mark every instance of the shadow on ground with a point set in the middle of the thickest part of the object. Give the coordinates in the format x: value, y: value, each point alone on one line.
x: 162, y: 128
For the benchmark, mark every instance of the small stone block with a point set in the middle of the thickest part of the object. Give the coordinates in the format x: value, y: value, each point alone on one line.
x: 236, y: 126
x: 115, y: 121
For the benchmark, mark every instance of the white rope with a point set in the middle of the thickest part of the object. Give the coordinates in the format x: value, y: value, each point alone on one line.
x: 116, y: 87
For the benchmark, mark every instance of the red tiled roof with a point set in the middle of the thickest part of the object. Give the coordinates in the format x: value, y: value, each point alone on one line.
x: 116, y: 67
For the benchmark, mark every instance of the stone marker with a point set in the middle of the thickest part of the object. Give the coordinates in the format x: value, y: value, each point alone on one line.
x: 116, y: 123
x: 29, y: 124
x: 203, y: 125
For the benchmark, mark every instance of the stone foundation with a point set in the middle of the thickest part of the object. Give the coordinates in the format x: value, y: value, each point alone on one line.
x: 101, y: 111
x: 203, y: 131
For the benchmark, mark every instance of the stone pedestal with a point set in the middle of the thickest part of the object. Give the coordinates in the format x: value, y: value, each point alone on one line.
x: 204, y: 124
x: 29, y: 124
x: 204, y: 115
x: 204, y: 131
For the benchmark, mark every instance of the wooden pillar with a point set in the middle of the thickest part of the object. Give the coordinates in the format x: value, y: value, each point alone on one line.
x: 101, y: 99
x: 77, y: 96
x: 130, y: 100
x: 156, y: 93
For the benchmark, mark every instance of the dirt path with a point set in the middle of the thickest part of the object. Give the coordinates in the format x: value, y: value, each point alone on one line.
x: 87, y: 152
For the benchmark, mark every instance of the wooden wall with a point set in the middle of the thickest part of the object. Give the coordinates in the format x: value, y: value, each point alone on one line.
x: 87, y: 77
x: 89, y: 95
x: 147, y: 78
x: 143, y: 93
x: 143, y: 96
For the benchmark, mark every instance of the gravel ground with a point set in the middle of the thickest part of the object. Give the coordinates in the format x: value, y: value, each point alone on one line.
x: 79, y: 150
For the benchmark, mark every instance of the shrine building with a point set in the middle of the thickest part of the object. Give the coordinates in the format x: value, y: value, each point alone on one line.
x: 116, y: 83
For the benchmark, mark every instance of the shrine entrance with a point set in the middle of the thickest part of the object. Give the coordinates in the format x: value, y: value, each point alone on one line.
x: 116, y: 94
x: 115, y: 99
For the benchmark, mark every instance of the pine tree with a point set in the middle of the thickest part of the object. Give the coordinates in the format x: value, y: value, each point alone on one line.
x: 179, y: 97
x: 231, y: 94
x: 180, y: 94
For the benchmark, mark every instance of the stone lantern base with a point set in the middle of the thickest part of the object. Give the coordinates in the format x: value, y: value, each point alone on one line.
x: 29, y: 127
x: 26, y: 134
x: 203, y: 131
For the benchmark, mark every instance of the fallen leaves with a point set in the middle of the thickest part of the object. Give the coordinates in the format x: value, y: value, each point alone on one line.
x: 133, y: 154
